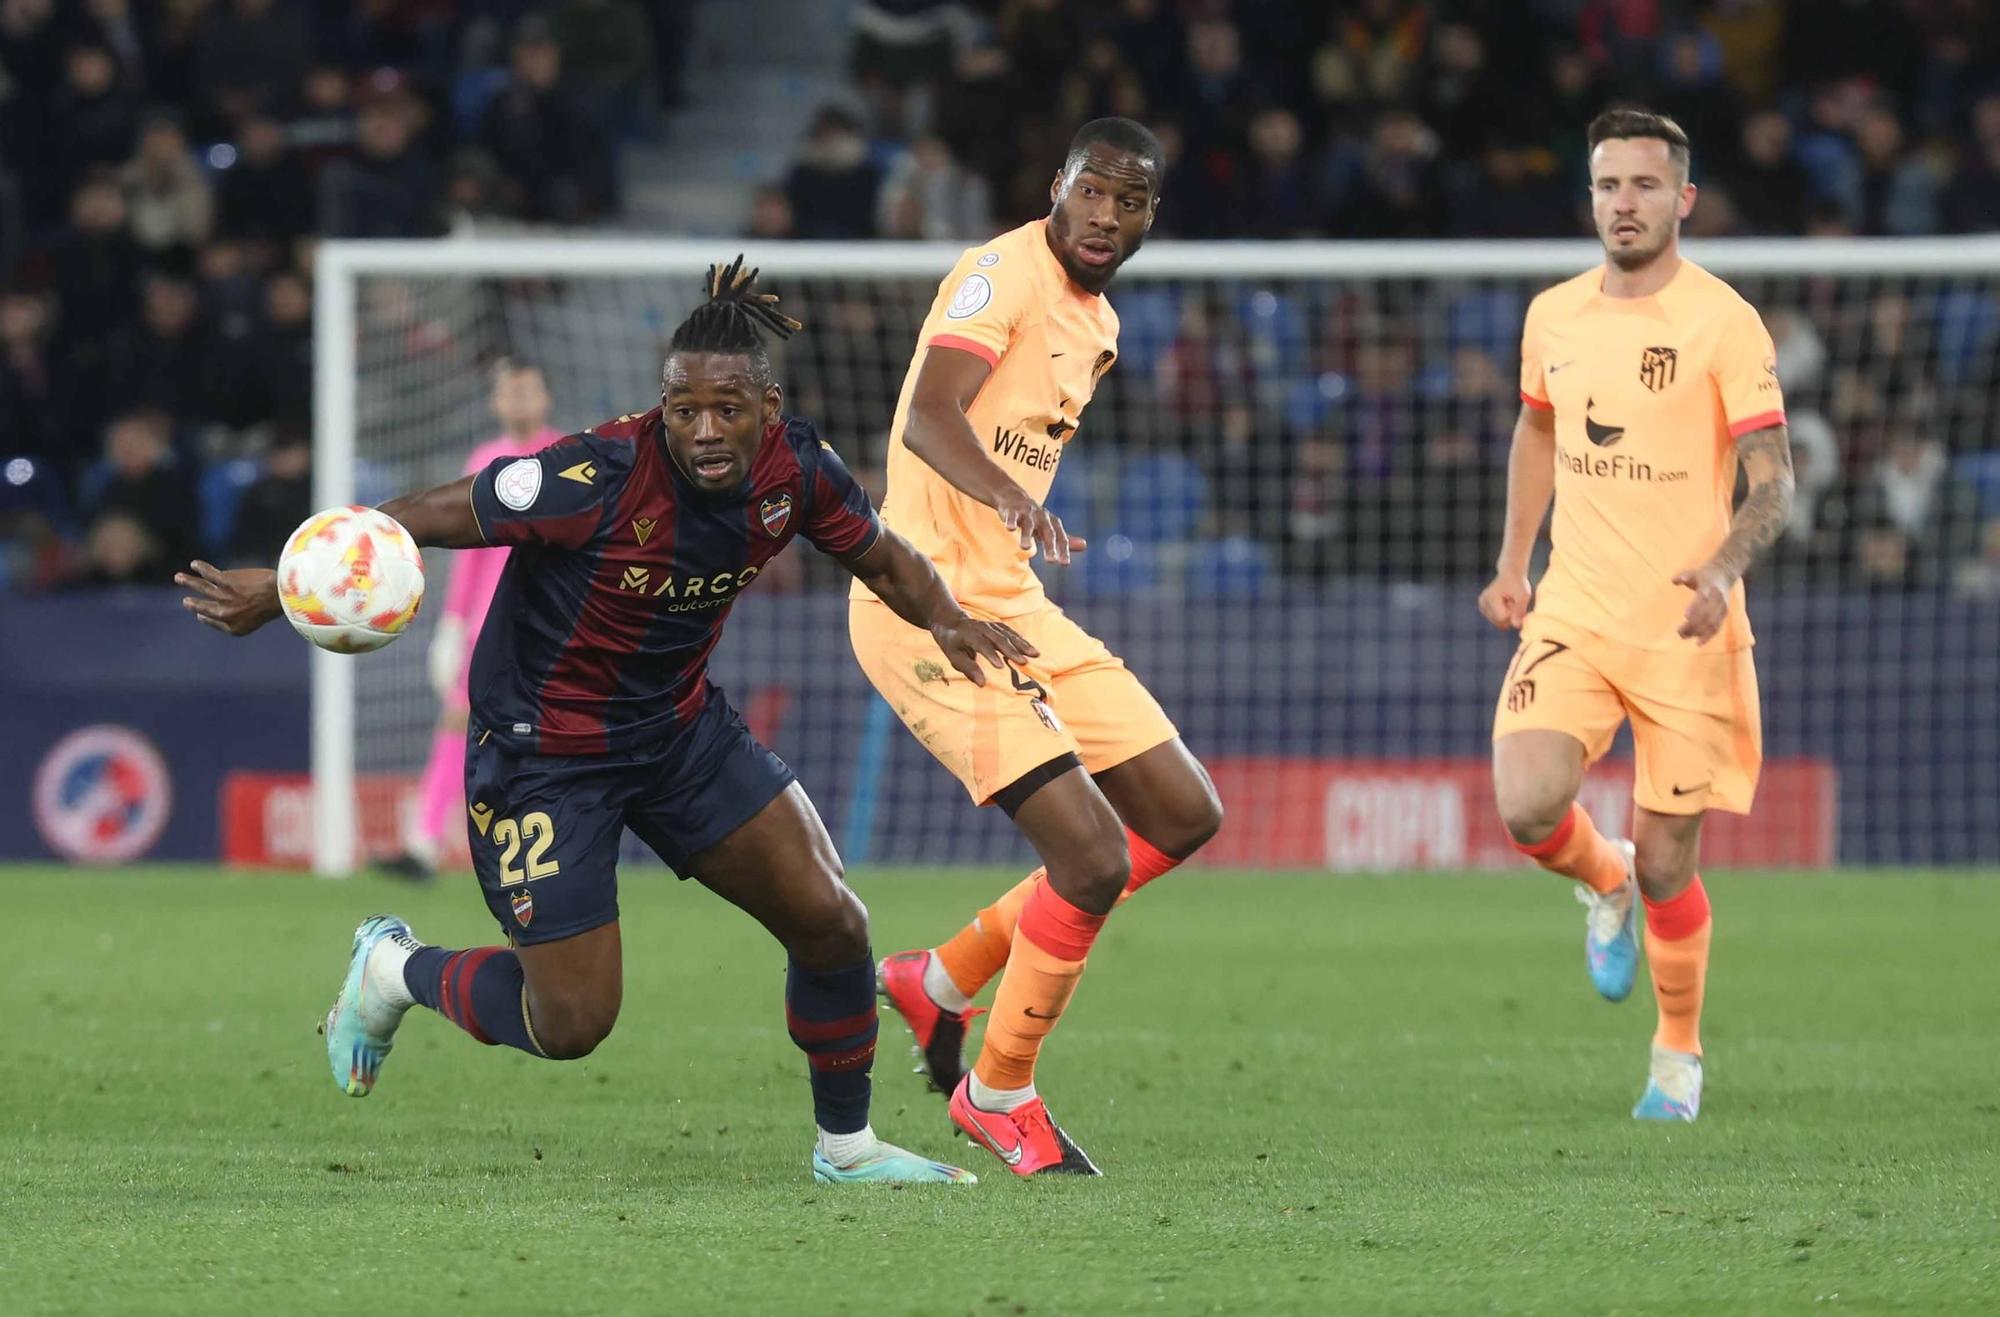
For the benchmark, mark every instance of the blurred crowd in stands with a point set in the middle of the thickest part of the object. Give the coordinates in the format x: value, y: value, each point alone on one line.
x: 1329, y: 434
x: 1409, y: 118
x: 1316, y: 428
x: 166, y: 167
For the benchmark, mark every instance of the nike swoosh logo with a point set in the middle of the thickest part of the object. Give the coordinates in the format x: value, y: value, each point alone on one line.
x: 1054, y: 355
x: 1012, y: 1156
x: 1034, y: 1014
x: 1689, y: 791
x: 1559, y: 365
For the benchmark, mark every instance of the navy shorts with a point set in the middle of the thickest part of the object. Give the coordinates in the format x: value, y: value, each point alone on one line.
x: 544, y: 829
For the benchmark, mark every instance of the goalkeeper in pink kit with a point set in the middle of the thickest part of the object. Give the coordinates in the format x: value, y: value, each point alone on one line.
x: 521, y: 404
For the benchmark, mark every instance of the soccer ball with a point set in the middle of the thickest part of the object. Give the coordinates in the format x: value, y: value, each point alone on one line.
x: 350, y: 579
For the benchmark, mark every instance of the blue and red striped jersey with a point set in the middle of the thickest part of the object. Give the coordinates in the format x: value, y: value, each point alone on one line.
x: 623, y: 572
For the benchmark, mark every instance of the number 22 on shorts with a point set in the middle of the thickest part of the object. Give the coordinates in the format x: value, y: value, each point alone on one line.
x: 539, y: 830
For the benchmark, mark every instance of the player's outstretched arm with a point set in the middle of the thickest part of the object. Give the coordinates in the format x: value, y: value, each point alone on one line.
x: 938, y: 432
x: 1766, y: 456
x: 238, y: 602
x: 440, y: 518
x: 905, y: 580
x: 1531, y: 482
x: 234, y: 602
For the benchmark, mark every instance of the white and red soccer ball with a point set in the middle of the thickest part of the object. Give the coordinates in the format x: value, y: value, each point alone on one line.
x: 350, y: 579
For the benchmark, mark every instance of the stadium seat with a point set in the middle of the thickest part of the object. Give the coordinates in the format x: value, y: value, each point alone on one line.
x: 1489, y: 318
x: 28, y: 485
x: 1982, y: 472
x: 1233, y: 567
x: 1149, y: 316
x: 96, y: 479
x: 373, y: 483
x: 1311, y: 402
x: 1435, y: 382
x: 1114, y: 565
x: 1073, y: 497
x: 1278, y: 328
x: 1967, y: 326
x: 1161, y: 497
x: 219, y: 495
x: 471, y: 93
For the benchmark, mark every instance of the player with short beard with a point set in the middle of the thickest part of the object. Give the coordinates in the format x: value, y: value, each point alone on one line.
x: 1072, y: 747
x: 1645, y: 382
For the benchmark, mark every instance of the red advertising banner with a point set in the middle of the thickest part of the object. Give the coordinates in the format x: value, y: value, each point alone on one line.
x: 1357, y: 815
x: 267, y: 820
x: 1345, y: 815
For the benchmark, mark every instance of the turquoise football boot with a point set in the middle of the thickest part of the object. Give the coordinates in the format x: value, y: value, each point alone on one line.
x: 885, y: 1163
x: 1673, y: 1089
x: 1611, y: 933
x: 361, y: 1027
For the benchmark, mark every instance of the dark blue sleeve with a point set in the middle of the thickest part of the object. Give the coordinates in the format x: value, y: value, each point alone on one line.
x: 555, y: 497
x: 840, y: 521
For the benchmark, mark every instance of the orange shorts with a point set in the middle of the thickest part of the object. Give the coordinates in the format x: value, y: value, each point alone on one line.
x: 1696, y: 726
x: 1077, y: 698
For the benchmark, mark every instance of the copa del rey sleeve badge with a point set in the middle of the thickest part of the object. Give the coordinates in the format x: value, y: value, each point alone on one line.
x: 518, y: 484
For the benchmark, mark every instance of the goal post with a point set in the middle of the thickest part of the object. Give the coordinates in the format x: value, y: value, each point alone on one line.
x: 332, y: 675
x: 1291, y: 482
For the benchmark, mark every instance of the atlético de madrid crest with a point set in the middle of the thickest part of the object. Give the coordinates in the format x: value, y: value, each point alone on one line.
x: 774, y: 512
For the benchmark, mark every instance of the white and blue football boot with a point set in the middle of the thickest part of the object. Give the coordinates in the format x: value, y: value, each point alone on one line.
x: 1673, y: 1089
x: 885, y: 1163
x: 1611, y: 933
x: 361, y: 1027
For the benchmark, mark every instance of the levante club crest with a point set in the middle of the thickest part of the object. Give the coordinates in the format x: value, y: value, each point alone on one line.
x: 775, y: 511
x: 523, y: 902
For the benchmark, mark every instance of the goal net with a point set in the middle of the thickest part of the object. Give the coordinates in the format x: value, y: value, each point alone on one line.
x: 1293, y: 484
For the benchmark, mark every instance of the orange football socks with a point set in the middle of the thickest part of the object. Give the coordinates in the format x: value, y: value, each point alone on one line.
x: 1052, y: 942
x: 1148, y: 863
x: 1576, y: 849
x: 1677, y: 937
x: 974, y: 954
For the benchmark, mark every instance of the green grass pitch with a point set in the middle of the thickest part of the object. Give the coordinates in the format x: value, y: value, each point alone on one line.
x: 1310, y: 1095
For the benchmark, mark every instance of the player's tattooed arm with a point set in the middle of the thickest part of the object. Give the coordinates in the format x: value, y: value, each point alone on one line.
x: 1766, y: 456
x: 938, y: 432
x: 905, y: 580
x: 440, y: 518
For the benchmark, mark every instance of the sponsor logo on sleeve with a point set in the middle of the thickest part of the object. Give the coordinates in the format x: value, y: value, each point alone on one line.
x: 518, y: 484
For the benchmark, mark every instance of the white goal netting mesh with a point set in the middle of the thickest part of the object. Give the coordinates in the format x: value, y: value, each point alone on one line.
x: 1293, y: 488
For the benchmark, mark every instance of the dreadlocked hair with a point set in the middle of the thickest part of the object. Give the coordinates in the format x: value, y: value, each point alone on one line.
x: 734, y: 319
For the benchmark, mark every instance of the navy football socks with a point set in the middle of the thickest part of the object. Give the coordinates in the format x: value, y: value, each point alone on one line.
x: 831, y: 1016
x: 481, y: 991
